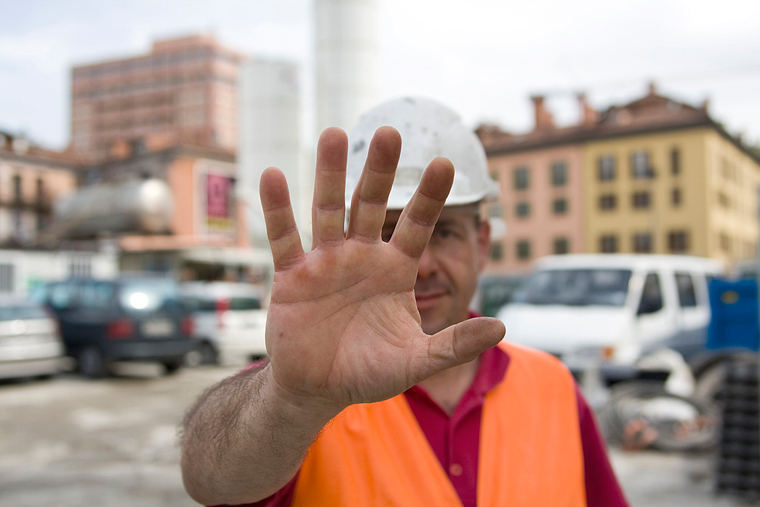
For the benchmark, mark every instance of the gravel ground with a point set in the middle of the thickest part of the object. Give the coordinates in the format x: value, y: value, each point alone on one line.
x: 71, y: 441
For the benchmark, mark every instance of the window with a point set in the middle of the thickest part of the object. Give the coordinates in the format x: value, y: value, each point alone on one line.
x: 642, y: 242
x: 728, y: 170
x: 63, y: 296
x: 559, y: 174
x: 675, y: 197
x: 80, y: 266
x: 607, y: 202
x: 523, y: 249
x: 17, y: 220
x: 42, y: 221
x: 641, y: 200
x: 559, y: 206
x: 687, y: 297
x: 40, y: 190
x: 496, y: 211
x: 496, y: 251
x: 522, y: 209
x: 725, y: 242
x: 575, y: 287
x: 7, y: 277
x: 675, y: 161
x: 606, y: 165
x: 96, y: 295
x: 608, y: 243
x: 724, y: 200
x: 17, y: 188
x: 561, y: 246
x: 651, y: 295
x: 678, y: 242
x: 522, y: 178
x: 640, y: 165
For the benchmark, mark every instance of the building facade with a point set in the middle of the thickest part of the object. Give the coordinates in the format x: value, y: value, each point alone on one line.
x: 31, y: 180
x: 183, y: 91
x: 195, y: 229
x: 541, y: 203
x: 653, y: 176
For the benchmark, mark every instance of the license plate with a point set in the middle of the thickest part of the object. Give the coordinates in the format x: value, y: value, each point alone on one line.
x: 157, y: 328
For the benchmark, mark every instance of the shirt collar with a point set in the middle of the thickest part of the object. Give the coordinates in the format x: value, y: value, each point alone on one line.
x: 491, y: 369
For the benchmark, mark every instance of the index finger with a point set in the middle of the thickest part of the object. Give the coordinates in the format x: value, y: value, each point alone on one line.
x: 416, y: 223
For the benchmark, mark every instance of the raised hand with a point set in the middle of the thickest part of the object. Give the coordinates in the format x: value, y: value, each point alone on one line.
x: 343, y: 325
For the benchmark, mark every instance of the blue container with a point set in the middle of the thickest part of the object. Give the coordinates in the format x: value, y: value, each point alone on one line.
x: 735, y: 319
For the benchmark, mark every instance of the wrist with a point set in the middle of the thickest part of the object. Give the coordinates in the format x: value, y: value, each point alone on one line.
x: 295, y: 407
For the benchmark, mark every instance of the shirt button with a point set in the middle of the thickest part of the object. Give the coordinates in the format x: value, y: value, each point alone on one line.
x: 456, y: 469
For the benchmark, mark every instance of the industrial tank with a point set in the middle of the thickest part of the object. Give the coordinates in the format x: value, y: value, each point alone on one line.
x: 136, y: 206
x: 347, y: 59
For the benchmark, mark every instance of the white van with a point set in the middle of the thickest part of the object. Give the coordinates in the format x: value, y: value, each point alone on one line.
x: 609, y: 308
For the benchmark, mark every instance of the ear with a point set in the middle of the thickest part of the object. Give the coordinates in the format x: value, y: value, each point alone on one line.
x: 484, y: 243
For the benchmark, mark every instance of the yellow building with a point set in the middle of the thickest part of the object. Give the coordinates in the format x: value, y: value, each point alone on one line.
x: 663, y: 177
x: 656, y: 176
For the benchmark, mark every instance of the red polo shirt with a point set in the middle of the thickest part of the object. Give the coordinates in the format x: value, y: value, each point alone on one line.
x: 455, y: 438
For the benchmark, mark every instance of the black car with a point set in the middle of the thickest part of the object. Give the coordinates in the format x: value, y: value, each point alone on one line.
x: 137, y: 319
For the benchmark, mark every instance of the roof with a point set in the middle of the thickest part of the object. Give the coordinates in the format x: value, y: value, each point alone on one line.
x: 650, y: 114
x: 630, y: 261
x: 19, y: 148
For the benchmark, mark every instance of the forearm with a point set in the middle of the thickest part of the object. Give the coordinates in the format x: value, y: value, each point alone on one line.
x: 242, y: 441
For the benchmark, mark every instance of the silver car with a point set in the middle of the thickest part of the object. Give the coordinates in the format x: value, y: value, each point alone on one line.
x: 30, y: 342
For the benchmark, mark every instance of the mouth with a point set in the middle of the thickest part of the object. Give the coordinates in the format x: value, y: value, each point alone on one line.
x: 428, y: 298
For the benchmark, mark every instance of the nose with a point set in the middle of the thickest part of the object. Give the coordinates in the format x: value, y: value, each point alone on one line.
x: 428, y: 264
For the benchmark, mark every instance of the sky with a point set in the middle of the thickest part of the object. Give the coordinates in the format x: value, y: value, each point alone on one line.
x: 484, y: 58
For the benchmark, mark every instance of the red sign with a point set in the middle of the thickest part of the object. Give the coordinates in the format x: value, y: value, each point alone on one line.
x: 218, y: 196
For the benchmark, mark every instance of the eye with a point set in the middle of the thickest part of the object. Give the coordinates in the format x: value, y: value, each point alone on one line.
x: 444, y: 232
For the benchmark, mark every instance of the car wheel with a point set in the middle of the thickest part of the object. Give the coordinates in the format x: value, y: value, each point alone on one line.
x: 92, y: 363
x: 193, y: 358
x: 172, y: 366
x: 208, y: 353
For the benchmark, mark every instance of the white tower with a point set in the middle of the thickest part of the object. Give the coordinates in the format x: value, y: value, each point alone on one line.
x: 347, y: 61
x: 270, y: 135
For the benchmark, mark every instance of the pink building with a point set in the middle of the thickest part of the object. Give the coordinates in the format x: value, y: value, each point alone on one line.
x: 32, y: 178
x: 540, y: 179
x: 183, y: 91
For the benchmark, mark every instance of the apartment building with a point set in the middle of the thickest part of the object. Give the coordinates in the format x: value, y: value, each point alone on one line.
x: 654, y: 176
x: 541, y: 178
x: 31, y: 179
x: 183, y: 91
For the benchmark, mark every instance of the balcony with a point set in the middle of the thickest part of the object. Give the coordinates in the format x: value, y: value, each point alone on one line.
x: 38, y: 203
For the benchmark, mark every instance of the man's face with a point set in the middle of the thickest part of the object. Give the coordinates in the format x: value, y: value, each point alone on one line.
x: 448, y: 271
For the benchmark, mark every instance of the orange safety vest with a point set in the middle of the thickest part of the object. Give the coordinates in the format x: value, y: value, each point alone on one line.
x: 530, y: 448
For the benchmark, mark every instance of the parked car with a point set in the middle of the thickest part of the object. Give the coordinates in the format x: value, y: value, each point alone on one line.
x: 127, y: 319
x: 610, y: 308
x: 495, y: 291
x: 229, y: 321
x: 30, y: 343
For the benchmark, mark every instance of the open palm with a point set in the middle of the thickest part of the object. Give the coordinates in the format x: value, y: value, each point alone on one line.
x: 343, y: 325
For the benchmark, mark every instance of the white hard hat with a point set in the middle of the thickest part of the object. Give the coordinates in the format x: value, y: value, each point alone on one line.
x: 428, y: 130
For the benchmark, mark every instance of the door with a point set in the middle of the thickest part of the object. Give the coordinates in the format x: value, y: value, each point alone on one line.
x: 655, y: 317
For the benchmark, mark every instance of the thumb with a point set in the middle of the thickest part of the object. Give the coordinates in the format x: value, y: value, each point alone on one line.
x: 463, y: 342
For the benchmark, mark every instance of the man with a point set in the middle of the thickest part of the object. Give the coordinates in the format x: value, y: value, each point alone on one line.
x: 382, y: 388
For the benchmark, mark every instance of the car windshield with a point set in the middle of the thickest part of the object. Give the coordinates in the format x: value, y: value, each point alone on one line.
x: 22, y: 312
x: 148, y: 295
x: 576, y: 287
x: 496, y: 292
